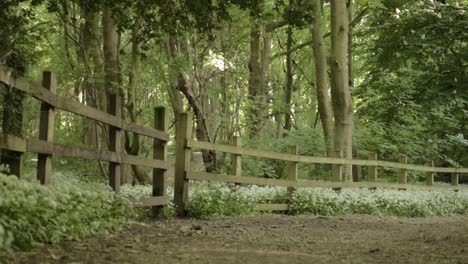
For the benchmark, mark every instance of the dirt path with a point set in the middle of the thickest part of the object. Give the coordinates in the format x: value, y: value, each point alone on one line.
x: 271, y: 239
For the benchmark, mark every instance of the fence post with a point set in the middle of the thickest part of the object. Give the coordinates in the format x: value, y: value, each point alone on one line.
x: 430, y: 174
x: 372, y: 174
x: 160, y: 153
x: 236, y: 159
x: 114, y: 107
x: 46, y: 129
x: 403, y: 172
x: 182, y: 163
x: 454, y: 178
x: 293, y: 169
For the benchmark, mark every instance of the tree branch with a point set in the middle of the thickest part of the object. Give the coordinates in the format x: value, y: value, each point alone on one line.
x: 356, y: 20
x: 276, y: 24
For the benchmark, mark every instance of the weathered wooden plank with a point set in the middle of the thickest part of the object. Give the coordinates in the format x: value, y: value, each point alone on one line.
x: 403, y: 173
x: 312, y: 159
x: 150, y: 201
x: 313, y: 184
x: 46, y: 129
x: 236, y: 159
x: 182, y: 165
x: 292, y: 169
x: 140, y: 161
x: 70, y: 105
x: 430, y: 175
x: 454, y: 179
x: 114, y: 107
x: 12, y: 143
x: 39, y: 146
x: 272, y: 207
x: 337, y: 169
x: 372, y: 170
x: 159, y: 153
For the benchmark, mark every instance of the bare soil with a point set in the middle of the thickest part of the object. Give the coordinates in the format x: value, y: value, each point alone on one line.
x: 270, y: 239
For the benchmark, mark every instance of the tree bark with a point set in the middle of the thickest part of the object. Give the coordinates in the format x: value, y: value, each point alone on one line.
x: 259, y: 65
x: 93, y: 63
x: 289, y: 82
x: 341, y: 96
x: 132, y: 140
x: 256, y: 102
x: 350, y: 45
x: 321, y: 78
x: 174, y: 94
x: 112, y: 73
x: 12, y: 124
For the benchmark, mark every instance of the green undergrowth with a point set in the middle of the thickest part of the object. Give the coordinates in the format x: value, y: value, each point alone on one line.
x: 67, y: 208
x: 219, y: 199
x: 71, y: 208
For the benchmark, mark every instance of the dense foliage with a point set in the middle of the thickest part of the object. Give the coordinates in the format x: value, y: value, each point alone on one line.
x: 415, y: 77
x: 68, y: 208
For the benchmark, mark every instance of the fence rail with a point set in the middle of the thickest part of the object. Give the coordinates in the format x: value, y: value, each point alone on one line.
x: 316, y: 160
x: 183, y: 173
x: 37, y: 91
x: 14, y: 143
x: 115, y: 155
x: 203, y: 176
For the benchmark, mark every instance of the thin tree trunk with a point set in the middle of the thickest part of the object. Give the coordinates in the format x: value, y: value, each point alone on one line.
x: 201, y: 131
x: 321, y: 78
x: 350, y: 45
x: 89, y: 36
x: 341, y: 95
x: 12, y: 124
x: 132, y: 140
x: 174, y: 95
x: 111, y: 63
x: 254, y: 108
x: 289, y: 82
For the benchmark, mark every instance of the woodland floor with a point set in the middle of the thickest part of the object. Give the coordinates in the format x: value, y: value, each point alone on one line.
x: 270, y: 239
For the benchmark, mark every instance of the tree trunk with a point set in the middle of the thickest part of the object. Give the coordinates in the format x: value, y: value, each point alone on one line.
x: 321, y: 78
x: 174, y: 94
x: 255, y: 99
x: 112, y: 69
x: 350, y: 45
x: 341, y: 96
x: 132, y: 140
x: 289, y: 82
x: 92, y: 61
x: 12, y: 124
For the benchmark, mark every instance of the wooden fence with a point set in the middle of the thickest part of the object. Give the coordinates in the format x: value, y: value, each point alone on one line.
x: 183, y: 174
x: 45, y: 147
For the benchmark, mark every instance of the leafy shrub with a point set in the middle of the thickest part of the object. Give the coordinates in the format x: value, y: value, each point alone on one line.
x: 68, y: 208
x: 214, y: 200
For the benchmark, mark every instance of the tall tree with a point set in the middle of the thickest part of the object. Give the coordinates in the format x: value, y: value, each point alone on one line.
x: 321, y: 78
x: 341, y: 95
x: 112, y: 84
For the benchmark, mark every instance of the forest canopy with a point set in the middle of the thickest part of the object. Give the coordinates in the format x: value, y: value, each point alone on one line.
x: 338, y: 78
